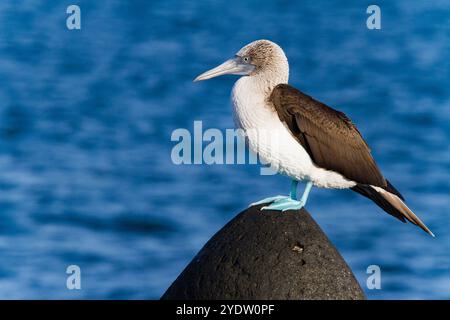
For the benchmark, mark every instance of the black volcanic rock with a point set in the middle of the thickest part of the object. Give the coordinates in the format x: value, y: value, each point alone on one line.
x: 267, y: 255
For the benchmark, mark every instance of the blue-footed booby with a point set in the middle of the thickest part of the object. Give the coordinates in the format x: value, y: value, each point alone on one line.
x: 300, y: 136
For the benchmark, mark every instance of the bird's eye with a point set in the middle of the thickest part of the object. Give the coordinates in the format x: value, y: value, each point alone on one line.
x: 246, y: 59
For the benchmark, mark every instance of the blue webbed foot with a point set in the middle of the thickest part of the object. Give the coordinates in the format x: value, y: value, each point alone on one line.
x: 285, y: 204
x: 268, y: 200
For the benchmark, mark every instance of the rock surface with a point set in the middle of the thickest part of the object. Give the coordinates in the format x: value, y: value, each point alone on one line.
x: 267, y: 255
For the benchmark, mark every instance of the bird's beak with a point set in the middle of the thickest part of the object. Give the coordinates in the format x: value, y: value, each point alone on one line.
x: 232, y: 66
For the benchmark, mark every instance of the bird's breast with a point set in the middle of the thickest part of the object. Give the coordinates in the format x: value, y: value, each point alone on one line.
x: 266, y: 134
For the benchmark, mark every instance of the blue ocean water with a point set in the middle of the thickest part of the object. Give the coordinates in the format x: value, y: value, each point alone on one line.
x: 86, y: 117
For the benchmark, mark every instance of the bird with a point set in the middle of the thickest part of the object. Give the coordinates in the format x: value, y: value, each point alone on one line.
x: 300, y: 136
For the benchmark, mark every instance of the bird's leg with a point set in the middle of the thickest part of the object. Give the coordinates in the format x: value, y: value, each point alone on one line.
x: 293, y: 193
x: 276, y: 199
x: 305, y: 194
x: 291, y: 203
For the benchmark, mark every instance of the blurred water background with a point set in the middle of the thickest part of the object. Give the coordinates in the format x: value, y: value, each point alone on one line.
x: 86, y: 117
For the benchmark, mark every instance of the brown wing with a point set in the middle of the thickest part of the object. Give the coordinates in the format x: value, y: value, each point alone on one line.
x: 331, y: 139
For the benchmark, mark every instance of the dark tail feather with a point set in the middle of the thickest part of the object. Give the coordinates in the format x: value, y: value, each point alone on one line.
x: 392, y: 189
x: 391, y: 203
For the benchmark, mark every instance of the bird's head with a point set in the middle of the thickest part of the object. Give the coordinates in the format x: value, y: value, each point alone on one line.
x: 261, y: 57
